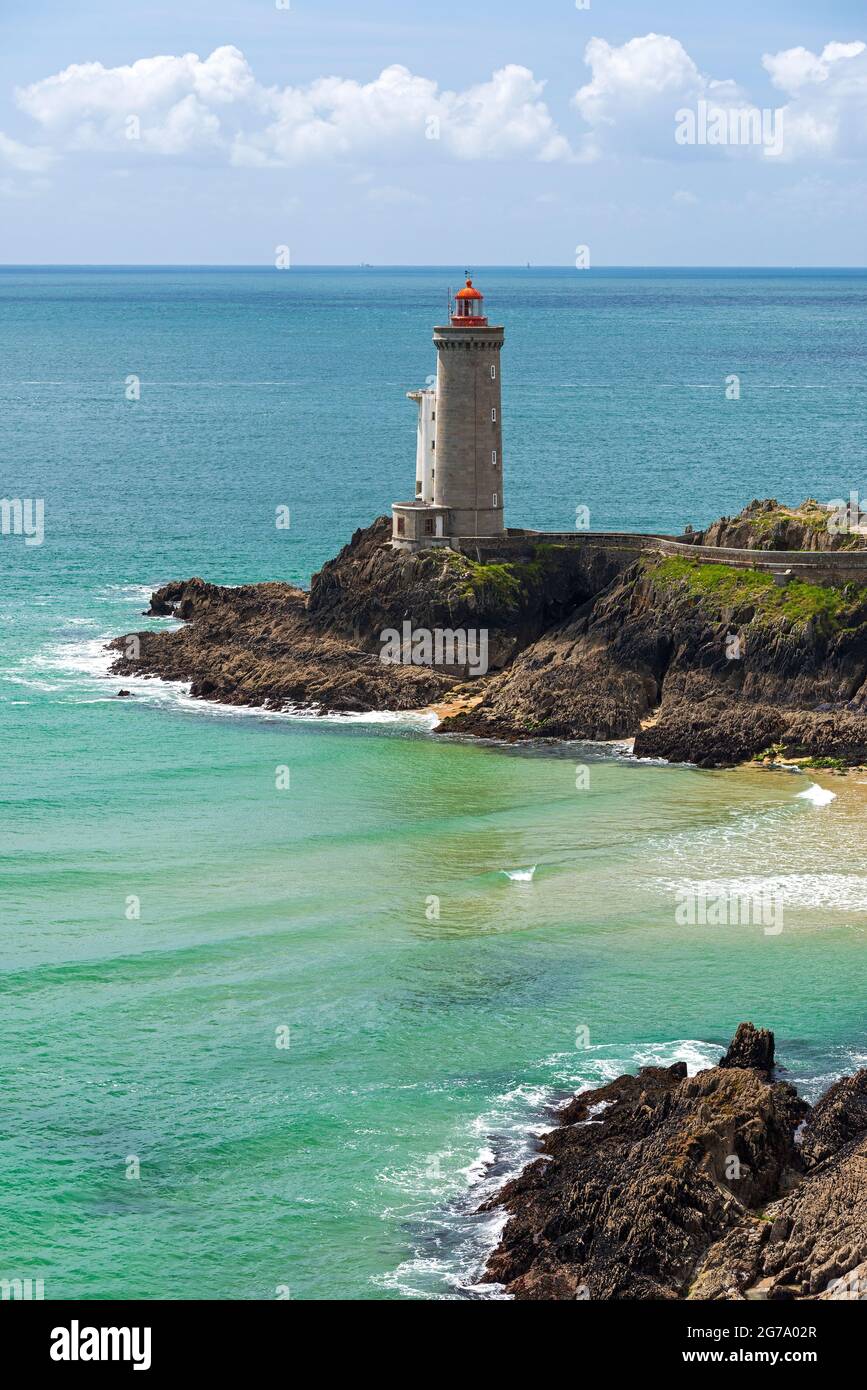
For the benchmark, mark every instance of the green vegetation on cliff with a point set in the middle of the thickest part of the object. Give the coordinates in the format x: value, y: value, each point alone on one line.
x: 723, y: 587
x: 494, y: 581
x: 504, y: 581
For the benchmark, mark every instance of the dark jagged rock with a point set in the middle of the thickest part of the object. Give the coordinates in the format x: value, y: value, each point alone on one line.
x: 699, y: 663
x: 812, y: 1242
x: 838, y: 1118
x: 275, y: 645
x: 254, y: 645
x: 663, y: 1186
x: 752, y: 1048
x: 368, y: 587
x: 767, y: 525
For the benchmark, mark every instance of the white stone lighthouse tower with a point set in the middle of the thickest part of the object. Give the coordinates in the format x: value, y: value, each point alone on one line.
x: 461, y: 493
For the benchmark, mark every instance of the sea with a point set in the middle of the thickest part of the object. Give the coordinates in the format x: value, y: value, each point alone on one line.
x: 285, y: 998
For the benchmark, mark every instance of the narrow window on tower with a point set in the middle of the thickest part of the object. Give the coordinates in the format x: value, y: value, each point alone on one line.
x: 495, y: 503
x: 418, y: 488
x: 493, y: 372
x: 493, y: 414
x: 400, y: 526
x: 494, y: 458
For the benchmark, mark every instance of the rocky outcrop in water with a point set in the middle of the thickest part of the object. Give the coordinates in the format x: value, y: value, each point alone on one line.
x: 721, y: 1185
x: 274, y: 645
x: 697, y: 662
x: 751, y: 1049
x: 255, y: 645
x: 368, y: 588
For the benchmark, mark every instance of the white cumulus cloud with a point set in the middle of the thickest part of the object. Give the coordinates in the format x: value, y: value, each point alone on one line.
x: 174, y: 101
x: 337, y: 118
x: 826, y: 114
x: 795, y: 68
x: 502, y: 118
x: 177, y: 104
x: 216, y: 108
x: 635, y: 89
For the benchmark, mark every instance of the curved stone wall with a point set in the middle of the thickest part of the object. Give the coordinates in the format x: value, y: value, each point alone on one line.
x: 816, y: 566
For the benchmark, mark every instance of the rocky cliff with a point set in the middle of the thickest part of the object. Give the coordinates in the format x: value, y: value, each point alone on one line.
x: 701, y: 663
x: 769, y: 525
x: 697, y: 662
x: 275, y: 645
x: 255, y: 645
x: 723, y: 1185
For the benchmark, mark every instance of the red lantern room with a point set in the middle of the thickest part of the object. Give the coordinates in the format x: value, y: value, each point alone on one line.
x: 468, y: 308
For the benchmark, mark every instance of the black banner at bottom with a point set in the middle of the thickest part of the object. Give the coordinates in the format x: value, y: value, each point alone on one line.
x: 67, y: 1338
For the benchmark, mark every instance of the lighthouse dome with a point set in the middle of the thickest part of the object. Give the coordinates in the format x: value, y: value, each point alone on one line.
x: 468, y: 307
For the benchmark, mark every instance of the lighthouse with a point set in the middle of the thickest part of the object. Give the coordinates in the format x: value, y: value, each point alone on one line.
x: 459, y: 453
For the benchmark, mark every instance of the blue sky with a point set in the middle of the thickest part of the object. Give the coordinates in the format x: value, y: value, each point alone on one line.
x: 398, y: 133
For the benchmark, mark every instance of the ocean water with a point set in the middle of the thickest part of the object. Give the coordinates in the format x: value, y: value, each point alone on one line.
x: 321, y: 1024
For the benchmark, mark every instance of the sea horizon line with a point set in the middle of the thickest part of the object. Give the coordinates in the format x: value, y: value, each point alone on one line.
x: 421, y: 266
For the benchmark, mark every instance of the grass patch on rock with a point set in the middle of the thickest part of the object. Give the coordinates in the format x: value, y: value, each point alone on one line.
x: 497, y: 581
x: 723, y: 587
x: 504, y: 581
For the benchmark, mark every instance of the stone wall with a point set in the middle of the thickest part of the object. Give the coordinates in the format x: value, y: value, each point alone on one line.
x: 834, y: 567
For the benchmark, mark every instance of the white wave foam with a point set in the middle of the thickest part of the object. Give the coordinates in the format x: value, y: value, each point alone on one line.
x: 595, y: 1111
x: 838, y: 892
x: 603, y: 1064
x: 452, y: 1240
x: 183, y: 699
x: 88, y: 662
x: 86, y: 657
x: 128, y: 593
x: 475, y: 1171
x: 28, y: 681
x: 520, y: 875
x: 411, y: 1278
x: 737, y: 835
x: 622, y: 751
x: 819, y: 796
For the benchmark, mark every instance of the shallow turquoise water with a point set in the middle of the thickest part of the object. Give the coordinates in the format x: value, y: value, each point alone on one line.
x: 423, y: 1052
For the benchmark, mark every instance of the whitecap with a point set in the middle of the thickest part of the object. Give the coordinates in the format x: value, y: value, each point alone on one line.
x: 475, y: 1171
x: 843, y: 892
x: 520, y: 875
x: 88, y: 661
x: 451, y: 1239
x: 819, y: 796
x: 28, y: 681
x: 594, y: 1111
x: 127, y: 593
